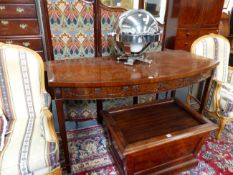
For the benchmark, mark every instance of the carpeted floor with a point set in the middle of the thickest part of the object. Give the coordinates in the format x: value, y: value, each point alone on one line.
x: 89, y: 153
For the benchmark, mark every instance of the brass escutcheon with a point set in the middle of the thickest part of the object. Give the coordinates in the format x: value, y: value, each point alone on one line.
x: 23, y: 26
x: 19, y: 10
x: 2, y: 7
x: 26, y: 44
x: 4, y: 22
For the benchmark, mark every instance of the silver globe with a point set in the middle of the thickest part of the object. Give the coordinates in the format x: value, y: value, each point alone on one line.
x: 133, y: 32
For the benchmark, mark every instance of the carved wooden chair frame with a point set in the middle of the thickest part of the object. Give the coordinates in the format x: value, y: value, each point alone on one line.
x: 216, y: 94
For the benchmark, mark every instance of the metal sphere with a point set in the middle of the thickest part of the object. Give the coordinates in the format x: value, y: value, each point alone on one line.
x: 134, y: 31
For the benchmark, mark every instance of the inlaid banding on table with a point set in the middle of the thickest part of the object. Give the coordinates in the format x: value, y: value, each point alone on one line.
x: 97, y: 90
x: 133, y: 90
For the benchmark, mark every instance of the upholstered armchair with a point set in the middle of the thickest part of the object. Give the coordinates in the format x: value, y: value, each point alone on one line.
x: 28, y: 142
x: 220, y: 99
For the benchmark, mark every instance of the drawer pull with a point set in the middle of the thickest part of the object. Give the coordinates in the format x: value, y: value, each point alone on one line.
x: 188, y: 34
x: 125, y: 89
x: 4, y: 22
x: 186, y: 44
x: 9, y: 42
x: 23, y: 26
x: 26, y: 44
x: 19, y: 10
x: 2, y: 7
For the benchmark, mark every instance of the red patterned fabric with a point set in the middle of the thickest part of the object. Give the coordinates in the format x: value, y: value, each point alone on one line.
x: 89, y: 153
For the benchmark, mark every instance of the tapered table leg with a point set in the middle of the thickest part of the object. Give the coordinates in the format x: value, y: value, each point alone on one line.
x: 61, y: 121
x: 135, y: 100
x: 99, y: 108
x: 205, y: 95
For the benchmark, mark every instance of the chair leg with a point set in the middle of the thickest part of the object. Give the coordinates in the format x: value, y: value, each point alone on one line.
x: 56, y: 171
x: 221, y: 128
x: 76, y: 124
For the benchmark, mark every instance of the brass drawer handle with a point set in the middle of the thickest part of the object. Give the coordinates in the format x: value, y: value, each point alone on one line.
x: 9, y: 42
x: 26, y: 44
x: 125, y: 89
x: 188, y: 34
x: 19, y: 10
x: 23, y: 26
x: 2, y: 7
x: 4, y: 22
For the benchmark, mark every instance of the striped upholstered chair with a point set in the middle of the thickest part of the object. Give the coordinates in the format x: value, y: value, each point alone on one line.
x: 220, y: 100
x: 28, y: 142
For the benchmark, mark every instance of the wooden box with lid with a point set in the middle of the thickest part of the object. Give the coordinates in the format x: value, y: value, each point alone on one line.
x: 158, y: 138
x: 25, y: 22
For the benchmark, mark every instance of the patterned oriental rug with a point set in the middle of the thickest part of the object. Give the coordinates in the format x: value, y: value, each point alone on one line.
x: 90, y: 156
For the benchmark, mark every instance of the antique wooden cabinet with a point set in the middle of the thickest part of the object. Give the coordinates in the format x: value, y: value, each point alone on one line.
x: 187, y: 20
x: 25, y: 22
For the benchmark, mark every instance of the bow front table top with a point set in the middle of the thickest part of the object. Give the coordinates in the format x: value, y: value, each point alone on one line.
x: 105, y: 77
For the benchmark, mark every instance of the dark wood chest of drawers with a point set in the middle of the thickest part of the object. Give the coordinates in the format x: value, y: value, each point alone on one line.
x: 188, y: 20
x: 25, y: 22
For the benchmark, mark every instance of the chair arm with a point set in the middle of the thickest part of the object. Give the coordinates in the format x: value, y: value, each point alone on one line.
x: 216, y: 99
x: 46, y: 99
x: 230, y: 75
x: 3, y: 128
x: 190, y: 97
x: 47, y: 125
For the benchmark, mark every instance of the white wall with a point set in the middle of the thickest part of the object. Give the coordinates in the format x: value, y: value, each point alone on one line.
x: 230, y: 5
x: 162, y: 11
x: 162, y: 8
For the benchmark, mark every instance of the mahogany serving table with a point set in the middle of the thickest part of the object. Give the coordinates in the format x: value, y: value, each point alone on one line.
x: 104, y: 78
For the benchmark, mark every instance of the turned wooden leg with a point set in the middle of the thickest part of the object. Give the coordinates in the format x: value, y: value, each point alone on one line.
x: 222, y: 124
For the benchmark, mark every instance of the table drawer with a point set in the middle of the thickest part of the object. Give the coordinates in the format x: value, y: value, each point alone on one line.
x: 18, y: 1
x: 17, y: 11
x: 33, y: 43
x: 186, y: 34
x: 19, y: 27
x: 184, y: 44
x: 207, y: 31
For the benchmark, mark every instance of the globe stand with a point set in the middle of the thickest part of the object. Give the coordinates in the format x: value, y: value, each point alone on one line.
x: 134, y: 57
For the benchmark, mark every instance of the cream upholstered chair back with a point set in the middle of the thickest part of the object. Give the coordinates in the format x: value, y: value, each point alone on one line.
x: 31, y: 143
x: 220, y: 101
x: 216, y: 47
x: 22, y: 83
